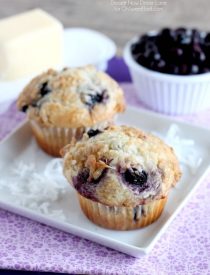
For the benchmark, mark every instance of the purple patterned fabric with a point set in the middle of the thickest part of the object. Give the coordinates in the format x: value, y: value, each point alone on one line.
x: 183, y: 249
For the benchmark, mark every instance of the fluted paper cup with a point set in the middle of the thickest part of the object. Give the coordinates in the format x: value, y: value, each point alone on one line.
x: 122, y: 218
x: 53, y: 139
x: 166, y: 93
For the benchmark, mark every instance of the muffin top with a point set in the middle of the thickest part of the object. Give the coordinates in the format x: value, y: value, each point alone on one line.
x: 73, y: 97
x: 121, y: 166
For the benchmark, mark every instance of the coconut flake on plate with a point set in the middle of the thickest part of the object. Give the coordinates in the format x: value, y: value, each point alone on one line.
x: 37, y: 190
x: 185, y: 149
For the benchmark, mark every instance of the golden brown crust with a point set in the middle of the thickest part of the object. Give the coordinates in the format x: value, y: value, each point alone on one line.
x: 120, y: 148
x: 66, y: 103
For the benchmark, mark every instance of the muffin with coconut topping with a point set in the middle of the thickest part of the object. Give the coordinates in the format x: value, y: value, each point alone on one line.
x: 61, y: 106
x: 122, y: 176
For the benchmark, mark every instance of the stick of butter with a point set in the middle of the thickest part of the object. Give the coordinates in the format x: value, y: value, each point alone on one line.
x: 30, y: 42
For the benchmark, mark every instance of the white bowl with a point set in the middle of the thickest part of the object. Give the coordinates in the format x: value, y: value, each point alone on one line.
x: 166, y: 93
x: 85, y: 46
x: 81, y: 47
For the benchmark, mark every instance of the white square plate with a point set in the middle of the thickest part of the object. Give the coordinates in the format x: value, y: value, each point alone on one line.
x: 16, y: 147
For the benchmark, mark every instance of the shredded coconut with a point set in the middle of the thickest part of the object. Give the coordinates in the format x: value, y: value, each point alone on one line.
x: 185, y: 149
x: 37, y: 190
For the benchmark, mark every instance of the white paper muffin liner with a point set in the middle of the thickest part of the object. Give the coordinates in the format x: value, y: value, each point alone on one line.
x: 53, y: 139
x: 169, y: 94
x: 122, y: 218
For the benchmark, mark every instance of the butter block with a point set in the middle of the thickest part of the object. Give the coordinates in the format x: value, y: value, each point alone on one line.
x: 30, y: 42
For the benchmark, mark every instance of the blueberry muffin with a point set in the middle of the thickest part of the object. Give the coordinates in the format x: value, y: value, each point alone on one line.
x: 62, y: 105
x: 122, y: 176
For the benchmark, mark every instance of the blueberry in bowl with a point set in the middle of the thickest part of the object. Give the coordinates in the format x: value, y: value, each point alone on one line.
x: 170, y: 69
x: 178, y: 51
